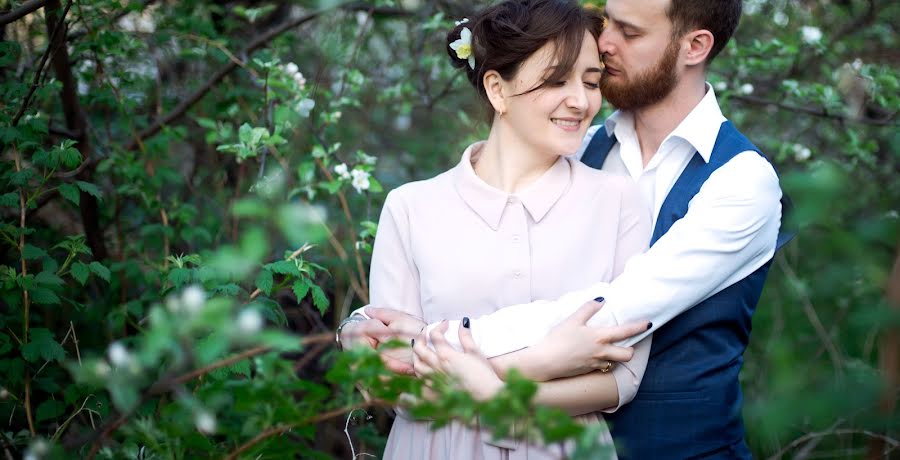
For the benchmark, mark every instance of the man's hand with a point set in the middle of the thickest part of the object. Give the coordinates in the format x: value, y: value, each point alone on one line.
x: 573, y: 348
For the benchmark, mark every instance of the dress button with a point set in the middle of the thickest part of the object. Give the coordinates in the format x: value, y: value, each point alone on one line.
x: 511, y: 200
x: 516, y: 238
x: 517, y: 274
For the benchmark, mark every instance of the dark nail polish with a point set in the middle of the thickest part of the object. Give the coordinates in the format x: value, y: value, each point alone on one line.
x: 649, y: 326
x: 412, y: 342
x: 466, y: 322
x: 599, y: 299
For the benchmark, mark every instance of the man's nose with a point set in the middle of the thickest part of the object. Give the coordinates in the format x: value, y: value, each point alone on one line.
x: 605, y: 42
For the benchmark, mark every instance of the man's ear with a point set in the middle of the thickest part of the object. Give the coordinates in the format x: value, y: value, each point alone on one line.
x: 493, y: 87
x: 699, y: 45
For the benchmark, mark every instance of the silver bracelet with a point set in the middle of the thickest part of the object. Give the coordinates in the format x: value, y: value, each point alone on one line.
x: 350, y: 319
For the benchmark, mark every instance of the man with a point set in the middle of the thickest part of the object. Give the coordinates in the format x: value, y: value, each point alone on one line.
x: 716, y: 215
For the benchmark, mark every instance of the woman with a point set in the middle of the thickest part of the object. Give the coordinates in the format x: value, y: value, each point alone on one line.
x: 511, y: 223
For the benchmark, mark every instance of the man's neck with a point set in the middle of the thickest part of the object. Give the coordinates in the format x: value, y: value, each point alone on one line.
x: 654, y: 123
x: 509, y: 164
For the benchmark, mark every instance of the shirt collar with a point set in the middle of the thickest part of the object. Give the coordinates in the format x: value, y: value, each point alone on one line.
x: 694, y: 129
x: 489, y: 202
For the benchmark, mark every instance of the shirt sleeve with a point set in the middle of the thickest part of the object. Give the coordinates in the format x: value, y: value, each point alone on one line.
x: 729, y: 231
x: 632, y: 239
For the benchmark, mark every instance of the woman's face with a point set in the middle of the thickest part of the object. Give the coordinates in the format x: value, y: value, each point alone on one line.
x: 554, y: 119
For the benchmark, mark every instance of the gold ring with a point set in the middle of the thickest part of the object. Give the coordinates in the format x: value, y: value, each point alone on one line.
x: 607, y: 367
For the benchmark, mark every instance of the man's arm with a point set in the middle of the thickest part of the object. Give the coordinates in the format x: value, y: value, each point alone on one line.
x: 729, y: 231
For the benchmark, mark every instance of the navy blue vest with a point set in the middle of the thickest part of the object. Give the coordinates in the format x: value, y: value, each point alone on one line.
x: 689, y: 403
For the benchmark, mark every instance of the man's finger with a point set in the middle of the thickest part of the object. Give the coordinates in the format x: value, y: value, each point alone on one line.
x: 612, y: 334
x: 585, y: 312
x: 614, y: 353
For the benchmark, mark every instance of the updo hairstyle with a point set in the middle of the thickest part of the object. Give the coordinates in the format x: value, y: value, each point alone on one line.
x: 508, y: 33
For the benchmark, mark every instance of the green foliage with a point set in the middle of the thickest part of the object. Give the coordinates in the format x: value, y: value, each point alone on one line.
x: 153, y: 274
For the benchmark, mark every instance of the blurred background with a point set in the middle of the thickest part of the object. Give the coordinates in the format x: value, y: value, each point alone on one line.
x: 186, y: 186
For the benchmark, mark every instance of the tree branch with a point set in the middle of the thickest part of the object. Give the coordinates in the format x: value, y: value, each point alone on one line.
x: 27, y: 8
x: 254, y: 45
x: 816, y: 112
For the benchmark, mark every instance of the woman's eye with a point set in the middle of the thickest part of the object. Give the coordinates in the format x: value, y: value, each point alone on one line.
x: 558, y: 83
x: 592, y: 85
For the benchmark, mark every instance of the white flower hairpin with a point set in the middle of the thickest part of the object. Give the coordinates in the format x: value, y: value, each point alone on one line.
x: 463, y: 46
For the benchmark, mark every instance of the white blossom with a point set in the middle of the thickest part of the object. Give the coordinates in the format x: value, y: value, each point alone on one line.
x: 780, y: 18
x: 101, y: 369
x: 746, y: 89
x: 173, y: 304
x: 299, y: 80
x: 119, y: 355
x: 342, y: 171
x: 461, y: 21
x: 205, y: 422
x: 360, y: 180
x: 193, y: 298
x: 4, y: 393
x: 402, y: 122
x: 290, y: 68
x: 857, y: 64
x: 249, y: 321
x: 721, y: 86
x: 801, y: 153
x: 811, y: 35
x: 304, y: 107
x: 37, y: 450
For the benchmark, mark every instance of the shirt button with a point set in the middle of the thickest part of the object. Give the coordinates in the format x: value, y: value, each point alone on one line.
x: 511, y: 200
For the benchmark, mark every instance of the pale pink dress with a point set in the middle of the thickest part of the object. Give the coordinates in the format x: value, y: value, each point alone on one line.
x: 453, y: 246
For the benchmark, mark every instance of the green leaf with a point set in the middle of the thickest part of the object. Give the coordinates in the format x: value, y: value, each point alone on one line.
x: 70, y: 192
x: 42, y: 347
x: 70, y: 157
x: 301, y: 289
x: 320, y: 300
x: 80, y: 272
x: 33, y: 252
x: 48, y: 278
x: 284, y: 267
x: 89, y: 188
x: 49, y: 409
x: 179, y: 277
x: 9, y: 200
x: 44, y: 296
x: 100, y: 270
x: 264, y: 282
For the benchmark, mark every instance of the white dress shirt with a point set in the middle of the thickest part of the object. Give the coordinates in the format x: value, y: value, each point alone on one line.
x: 729, y: 231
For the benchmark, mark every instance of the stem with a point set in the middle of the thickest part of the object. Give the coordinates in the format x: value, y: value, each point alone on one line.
x: 285, y: 428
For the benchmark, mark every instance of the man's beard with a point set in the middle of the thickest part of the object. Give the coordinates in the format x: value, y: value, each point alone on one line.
x: 647, y: 88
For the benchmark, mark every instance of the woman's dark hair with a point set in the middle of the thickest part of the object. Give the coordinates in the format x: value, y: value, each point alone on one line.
x: 506, y: 34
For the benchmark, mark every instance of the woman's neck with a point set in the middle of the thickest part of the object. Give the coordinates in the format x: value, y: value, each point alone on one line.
x: 509, y: 164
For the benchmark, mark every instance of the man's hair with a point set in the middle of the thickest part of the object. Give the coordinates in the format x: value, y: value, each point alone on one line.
x: 720, y: 17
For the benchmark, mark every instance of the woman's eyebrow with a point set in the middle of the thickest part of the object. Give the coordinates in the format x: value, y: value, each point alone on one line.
x: 593, y: 69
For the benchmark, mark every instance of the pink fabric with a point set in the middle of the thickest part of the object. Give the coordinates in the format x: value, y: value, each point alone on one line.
x: 453, y: 246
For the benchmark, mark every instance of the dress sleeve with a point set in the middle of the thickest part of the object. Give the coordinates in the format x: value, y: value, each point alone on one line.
x: 393, y: 276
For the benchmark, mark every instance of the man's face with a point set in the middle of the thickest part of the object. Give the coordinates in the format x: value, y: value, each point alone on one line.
x: 640, y: 56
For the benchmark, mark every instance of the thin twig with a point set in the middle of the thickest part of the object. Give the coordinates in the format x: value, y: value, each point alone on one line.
x: 816, y: 435
x: 37, y: 74
x: 817, y: 112
x: 810, y: 311
x: 285, y: 428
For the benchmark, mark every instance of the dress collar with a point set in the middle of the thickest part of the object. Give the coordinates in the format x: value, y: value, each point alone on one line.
x: 694, y: 129
x: 489, y: 202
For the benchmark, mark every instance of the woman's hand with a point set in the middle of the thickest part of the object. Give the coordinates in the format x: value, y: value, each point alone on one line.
x: 574, y: 348
x: 468, y: 367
